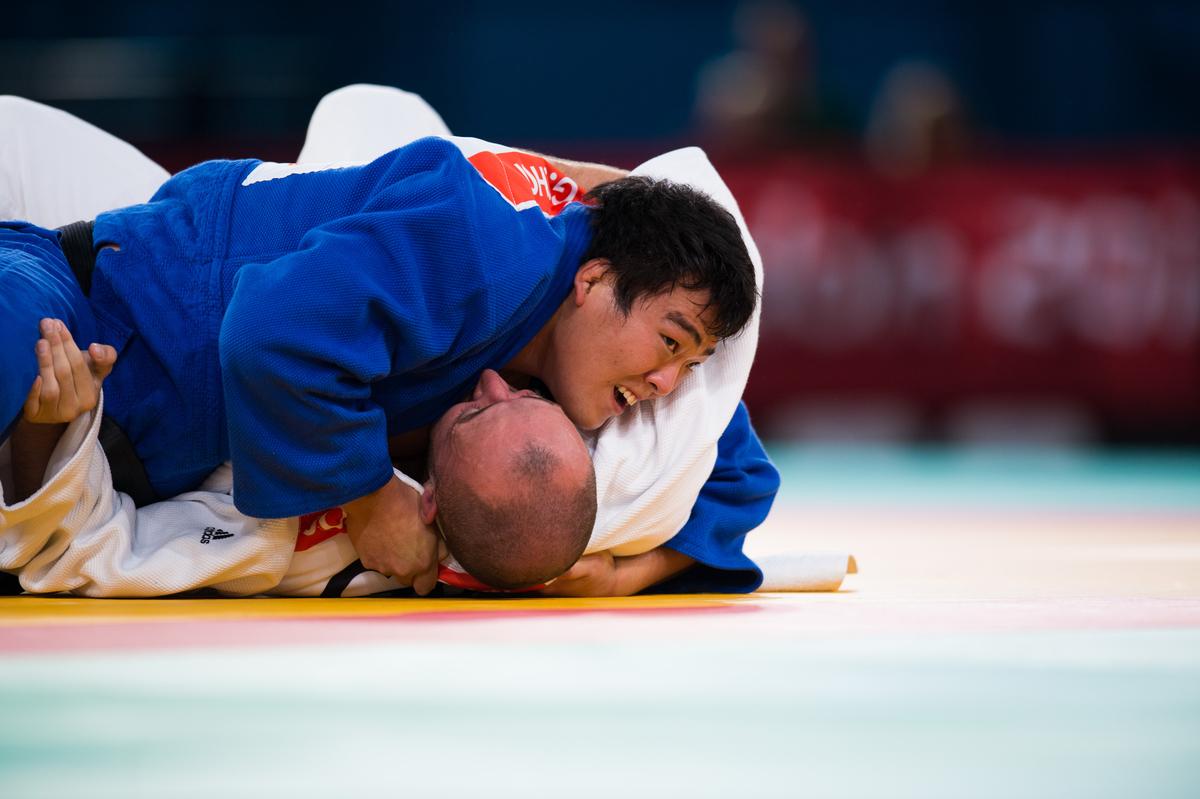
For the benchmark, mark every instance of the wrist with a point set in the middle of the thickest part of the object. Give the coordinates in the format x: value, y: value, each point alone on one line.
x: 32, y: 445
x: 638, y: 572
x: 359, y: 511
x: 37, y: 433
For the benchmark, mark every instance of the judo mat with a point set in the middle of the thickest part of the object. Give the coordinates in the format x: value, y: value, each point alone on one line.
x: 1021, y: 625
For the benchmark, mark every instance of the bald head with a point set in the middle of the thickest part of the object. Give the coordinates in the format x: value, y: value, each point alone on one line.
x: 512, y: 485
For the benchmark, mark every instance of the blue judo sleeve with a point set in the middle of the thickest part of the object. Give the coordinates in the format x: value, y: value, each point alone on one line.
x: 35, y: 282
x: 736, y: 499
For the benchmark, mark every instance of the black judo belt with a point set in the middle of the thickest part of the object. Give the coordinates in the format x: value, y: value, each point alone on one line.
x: 128, y: 472
x: 77, y: 244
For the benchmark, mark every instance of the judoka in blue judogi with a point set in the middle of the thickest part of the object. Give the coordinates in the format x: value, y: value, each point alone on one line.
x: 301, y: 319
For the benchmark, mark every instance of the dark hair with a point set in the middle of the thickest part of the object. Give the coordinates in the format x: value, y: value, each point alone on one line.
x: 529, y: 537
x: 658, y: 235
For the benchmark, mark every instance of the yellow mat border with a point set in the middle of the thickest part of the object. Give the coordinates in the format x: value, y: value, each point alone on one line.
x: 49, y: 610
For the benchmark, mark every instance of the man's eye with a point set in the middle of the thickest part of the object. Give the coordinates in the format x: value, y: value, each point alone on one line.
x: 671, y: 343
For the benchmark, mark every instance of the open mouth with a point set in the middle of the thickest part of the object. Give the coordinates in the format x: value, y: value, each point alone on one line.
x: 625, y: 398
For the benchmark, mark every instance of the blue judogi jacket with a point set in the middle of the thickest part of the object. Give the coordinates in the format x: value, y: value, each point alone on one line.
x: 349, y: 305
x: 292, y: 324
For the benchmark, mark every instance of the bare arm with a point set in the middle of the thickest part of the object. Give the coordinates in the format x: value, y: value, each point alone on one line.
x: 587, y: 176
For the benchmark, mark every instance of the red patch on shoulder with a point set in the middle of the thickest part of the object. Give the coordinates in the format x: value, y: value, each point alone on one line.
x: 522, y: 177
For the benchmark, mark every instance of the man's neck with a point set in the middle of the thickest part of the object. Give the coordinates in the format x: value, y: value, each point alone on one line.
x: 531, y: 360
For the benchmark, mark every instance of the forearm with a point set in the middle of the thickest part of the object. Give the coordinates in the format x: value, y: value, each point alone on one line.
x: 391, y: 497
x: 638, y: 572
x: 32, y: 446
x: 587, y: 176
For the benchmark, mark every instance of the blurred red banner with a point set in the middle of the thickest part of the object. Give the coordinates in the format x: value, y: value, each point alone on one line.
x: 1002, y: 281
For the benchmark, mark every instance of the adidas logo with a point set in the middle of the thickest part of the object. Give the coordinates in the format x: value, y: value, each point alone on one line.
x: 214, y: 532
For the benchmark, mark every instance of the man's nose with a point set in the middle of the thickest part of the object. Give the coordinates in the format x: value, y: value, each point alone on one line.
x: 491, y: 387
x: 665, y: 379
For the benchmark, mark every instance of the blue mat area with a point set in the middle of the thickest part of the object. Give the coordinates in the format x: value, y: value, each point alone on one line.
x: 1087, y: 479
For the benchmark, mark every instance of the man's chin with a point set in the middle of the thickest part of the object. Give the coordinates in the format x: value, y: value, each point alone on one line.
x: 592, y: 425
x: 587, y: 421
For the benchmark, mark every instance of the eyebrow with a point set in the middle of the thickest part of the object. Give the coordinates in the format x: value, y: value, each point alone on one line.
x: 463, y: 418
x: 689, y: 328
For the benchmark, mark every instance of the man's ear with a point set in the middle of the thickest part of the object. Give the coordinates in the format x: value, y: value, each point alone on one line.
x: 427, y: 505
x: 587, y: 276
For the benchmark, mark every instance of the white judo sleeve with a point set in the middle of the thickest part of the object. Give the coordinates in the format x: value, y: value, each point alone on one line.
x: 55, y: 168
x: 76, y: 534
x: 363, y: 121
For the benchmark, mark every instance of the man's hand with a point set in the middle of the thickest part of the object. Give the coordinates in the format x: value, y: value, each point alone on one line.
x: 392, y: 540
x: 66, y: 387
x: 601, y: 574
x: 68, y: 381
x: 592, y: 575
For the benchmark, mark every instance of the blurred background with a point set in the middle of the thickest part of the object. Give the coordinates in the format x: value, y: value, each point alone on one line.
x: 980, y: 223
